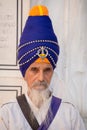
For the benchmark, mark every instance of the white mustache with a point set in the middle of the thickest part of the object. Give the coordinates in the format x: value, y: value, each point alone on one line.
x: 43, y: 83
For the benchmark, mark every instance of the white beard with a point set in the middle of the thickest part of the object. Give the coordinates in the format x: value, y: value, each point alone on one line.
x: 39, y: 97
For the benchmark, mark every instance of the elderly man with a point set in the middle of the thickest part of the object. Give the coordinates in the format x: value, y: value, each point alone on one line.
x: 37, y: 57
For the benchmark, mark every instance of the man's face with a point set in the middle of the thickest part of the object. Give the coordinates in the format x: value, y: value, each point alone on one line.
x: 38, y: 76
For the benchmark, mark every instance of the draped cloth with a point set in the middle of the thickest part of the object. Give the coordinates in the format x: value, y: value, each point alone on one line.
x: 54, y: 106
x: 55, y: 103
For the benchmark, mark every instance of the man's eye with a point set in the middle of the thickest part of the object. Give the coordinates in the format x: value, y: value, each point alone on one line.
x: 34, y: 69
x: 48, y: 70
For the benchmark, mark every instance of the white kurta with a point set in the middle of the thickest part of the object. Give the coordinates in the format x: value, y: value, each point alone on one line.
x: 67, y: 117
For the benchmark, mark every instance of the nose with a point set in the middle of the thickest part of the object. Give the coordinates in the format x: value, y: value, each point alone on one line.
x: 41, y: 76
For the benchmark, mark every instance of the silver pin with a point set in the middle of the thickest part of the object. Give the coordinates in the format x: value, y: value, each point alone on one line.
x: 42, y: 52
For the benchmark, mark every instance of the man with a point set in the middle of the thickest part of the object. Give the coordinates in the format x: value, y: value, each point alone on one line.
x: 37, y: 57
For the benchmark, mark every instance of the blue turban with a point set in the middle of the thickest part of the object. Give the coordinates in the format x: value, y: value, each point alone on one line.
x: 38, y: 36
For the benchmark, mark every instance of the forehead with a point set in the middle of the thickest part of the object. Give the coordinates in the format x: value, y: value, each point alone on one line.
x: 40, y: 65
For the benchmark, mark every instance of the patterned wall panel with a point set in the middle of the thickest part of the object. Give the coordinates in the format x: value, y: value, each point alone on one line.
x: 9, y: 92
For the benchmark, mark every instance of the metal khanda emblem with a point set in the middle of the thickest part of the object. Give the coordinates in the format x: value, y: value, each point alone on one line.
x: 42, y: 52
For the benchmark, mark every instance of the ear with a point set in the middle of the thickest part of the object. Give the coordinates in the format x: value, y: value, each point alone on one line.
x: 24, y: 77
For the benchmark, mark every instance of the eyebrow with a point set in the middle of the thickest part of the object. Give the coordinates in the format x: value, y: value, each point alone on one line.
x: 33, y: 67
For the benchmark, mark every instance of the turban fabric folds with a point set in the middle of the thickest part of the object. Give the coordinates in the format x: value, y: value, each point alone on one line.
x: 38, y: 40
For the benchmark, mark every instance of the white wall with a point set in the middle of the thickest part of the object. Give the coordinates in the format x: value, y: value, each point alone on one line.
x: 12, y: 19
x: 69, y: 20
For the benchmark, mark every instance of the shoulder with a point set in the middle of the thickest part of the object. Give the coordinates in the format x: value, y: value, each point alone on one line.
x: 12, y: 105
x: 64, y: 103
x: 13, y: 102
x: 66, y: 106
x: 69, y: 109
x: 9, y: 106
x: 10, y: 110
x: 70, y: 114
